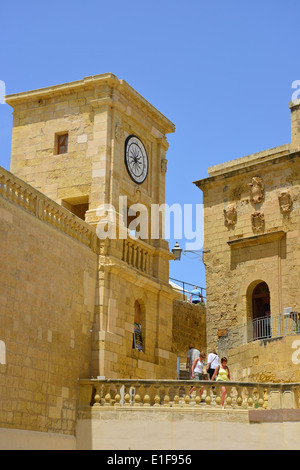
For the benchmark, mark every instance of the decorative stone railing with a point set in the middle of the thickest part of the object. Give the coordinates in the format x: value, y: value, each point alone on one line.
x: 138, y: 255
x: 173, y: 394
x: 25, y: 196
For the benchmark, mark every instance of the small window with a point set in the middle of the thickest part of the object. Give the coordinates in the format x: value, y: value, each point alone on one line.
x: 137, y: 334
x: 77, y: 205
x: 62, y: 143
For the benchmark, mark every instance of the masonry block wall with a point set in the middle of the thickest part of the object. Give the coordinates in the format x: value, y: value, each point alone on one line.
x: 243, y: 253
x: 189, y: 327
x: 252, y: 228
x: 47, y: 291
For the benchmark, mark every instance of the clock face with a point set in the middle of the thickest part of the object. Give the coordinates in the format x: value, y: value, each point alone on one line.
x: 136, y: 159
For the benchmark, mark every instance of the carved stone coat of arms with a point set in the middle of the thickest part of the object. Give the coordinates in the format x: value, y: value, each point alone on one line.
x: 257, y: 190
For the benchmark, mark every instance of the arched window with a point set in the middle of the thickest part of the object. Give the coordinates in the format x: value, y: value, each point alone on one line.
x: 2, y: 353
x: 138, y: 334
x: 261, y: 301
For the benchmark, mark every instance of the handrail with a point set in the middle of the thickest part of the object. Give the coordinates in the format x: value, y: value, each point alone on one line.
x: 184, y: 291
x: 273, y: 326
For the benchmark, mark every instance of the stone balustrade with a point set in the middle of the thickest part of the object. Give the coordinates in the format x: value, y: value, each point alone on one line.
x: 174, y: 394
x: 25, y: 196
x: 138, y: 255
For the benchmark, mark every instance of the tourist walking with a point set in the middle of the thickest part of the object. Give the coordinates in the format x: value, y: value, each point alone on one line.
x: 196, y: 296
x: 192, y: 354
x: 222, y: 374
x: 213, y: 361
x: 197, y: 371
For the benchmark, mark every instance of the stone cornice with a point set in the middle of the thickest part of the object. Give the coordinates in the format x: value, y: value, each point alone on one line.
x: 250, y: 167
x: 93, y: 82
x: 256, y: 239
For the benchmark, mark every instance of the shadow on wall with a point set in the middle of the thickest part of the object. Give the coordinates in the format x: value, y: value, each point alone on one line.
x: 189, y: 326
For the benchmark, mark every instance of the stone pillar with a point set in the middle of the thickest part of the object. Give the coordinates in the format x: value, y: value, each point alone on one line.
x: 295, y: 124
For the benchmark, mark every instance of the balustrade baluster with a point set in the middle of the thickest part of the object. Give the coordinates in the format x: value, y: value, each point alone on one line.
x: 97, y: 397
x: 117, y: 396
x: 266, y: 399
x: 125, y: 251
x: 187, y: 400
x: 150, y: 265
x: 229, y: 400
x: 8, y: 191
x: 144, y: 264
x: 13, y: 195
x: 134, y: 256
x: 127, y: 397
x: 177, y: 397
x: 137, y: 396
x: 107, y: 399
x: 147, y: 398
x: 138, y: 257
x: 239, y: 399
x: 260, y: 401
x: 250, y: 397
x: 32, y: 203
x: 130, y: 253
x: 167, y: 401
x: 209, y: 395
x: 157, y: 396
x: 2, y: 185
x: 197, y: 397
x: 217, y: 397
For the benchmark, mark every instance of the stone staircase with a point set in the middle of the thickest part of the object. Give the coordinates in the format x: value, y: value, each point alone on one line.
x: 183, y: 372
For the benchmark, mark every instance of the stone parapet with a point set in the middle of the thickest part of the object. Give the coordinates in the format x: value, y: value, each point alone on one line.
x: 37, y: 204
x: 174, y: 394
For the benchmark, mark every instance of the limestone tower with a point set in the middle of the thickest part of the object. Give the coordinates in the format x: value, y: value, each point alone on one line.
x: 98, y: 148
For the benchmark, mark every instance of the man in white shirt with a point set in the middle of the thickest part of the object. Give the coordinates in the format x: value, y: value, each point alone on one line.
x: 191, y: 356
x: 213, y: 361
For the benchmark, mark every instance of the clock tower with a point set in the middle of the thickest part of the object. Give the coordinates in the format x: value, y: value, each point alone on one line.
x: 98, y: 148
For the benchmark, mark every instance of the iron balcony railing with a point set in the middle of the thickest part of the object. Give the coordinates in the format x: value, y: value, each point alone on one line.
x: 274, y: 326
x: 185, y: 288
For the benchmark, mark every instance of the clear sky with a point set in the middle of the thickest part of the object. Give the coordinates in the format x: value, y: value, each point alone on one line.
x: 221, y: 71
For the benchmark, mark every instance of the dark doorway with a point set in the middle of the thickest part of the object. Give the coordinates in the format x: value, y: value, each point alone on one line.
x: 261, y: 311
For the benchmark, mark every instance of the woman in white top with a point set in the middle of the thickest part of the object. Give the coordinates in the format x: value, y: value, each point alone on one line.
x: 197, y: 370
x: 213, y: 361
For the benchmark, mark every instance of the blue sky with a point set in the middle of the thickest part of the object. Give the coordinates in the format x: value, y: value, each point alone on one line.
x: 221, y: 71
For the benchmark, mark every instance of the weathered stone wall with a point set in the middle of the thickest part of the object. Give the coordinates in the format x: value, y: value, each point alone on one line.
x: 269, y: 360
x: 189, y: 326
x: 251, y: 227
x: 47, y: 298
x: 51, y: 299
x: 224, y: 429
x: 112, y: 347
x: 242, y: 255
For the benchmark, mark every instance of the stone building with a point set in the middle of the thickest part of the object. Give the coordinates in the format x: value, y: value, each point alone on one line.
x: 68, y: 142
x: 251, y: 229
x: 84, y: 286
x: 88, y: 322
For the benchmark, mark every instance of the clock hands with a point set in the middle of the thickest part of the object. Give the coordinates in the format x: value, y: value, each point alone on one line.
x: 136, y: 159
